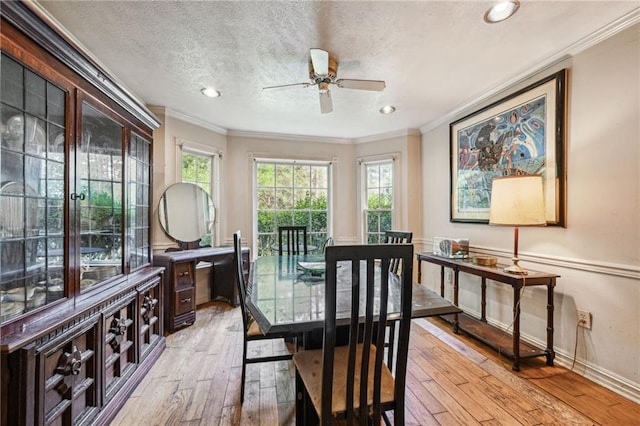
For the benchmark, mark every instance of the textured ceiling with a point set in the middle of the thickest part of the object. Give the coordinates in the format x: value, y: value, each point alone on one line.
x: 435, y: 56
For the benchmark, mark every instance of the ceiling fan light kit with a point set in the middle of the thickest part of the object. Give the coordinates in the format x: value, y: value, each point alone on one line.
x: 323, y: 71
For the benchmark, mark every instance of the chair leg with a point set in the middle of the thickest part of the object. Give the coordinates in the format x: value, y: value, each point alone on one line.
x: 244, y: 370
x: 392, y: 337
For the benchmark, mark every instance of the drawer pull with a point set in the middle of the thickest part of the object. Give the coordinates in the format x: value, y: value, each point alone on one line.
x: 184, y: 274
x: 187, y: 300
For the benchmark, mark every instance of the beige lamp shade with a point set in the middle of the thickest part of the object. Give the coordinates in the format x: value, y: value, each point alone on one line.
x: 517, y: 201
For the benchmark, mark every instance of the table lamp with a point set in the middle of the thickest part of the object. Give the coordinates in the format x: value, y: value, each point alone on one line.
x: 517, y: 201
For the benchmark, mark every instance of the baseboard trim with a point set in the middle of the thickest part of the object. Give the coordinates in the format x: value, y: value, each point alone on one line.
x: 601, y: 376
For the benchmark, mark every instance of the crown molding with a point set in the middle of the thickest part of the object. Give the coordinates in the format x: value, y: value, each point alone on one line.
x: 592, y: 39
x: 288, y: 137
x: 388, y: 135
x: 189, y: 119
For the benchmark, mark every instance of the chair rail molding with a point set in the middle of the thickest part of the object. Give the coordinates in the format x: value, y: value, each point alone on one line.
x: 585, y: 265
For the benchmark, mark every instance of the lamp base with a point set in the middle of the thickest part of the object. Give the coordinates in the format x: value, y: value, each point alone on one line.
x: 515, y: 268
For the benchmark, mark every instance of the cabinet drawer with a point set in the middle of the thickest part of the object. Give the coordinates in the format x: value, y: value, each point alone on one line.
x: 185, y: 301
x: 185, y: 274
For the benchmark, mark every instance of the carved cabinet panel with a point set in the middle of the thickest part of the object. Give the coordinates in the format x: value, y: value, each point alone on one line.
x: 150, y: 327
x: 119, y: 350
x: 67, y: 373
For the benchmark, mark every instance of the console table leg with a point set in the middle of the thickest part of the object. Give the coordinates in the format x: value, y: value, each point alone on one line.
x: 550, y: 353
x: 516, y: 329
x: 456, y: 324
x: 483, y: 300
x: 442, y: 281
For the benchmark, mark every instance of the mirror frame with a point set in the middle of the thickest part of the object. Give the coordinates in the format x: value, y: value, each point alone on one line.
x: 192, y: 224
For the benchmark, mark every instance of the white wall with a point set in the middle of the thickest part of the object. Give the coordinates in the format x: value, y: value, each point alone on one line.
x: 598, y: 253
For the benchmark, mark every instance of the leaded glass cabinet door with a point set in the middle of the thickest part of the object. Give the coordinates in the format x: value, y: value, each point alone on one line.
x: 100, y: 176
x: 139, y: 201
x: 32, y: 164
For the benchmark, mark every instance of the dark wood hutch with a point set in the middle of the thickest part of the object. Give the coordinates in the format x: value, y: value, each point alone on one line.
x: 81, y: 304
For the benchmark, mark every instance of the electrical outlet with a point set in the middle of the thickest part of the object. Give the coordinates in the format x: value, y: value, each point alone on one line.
x: 449, y: 276
x: 584, y: 319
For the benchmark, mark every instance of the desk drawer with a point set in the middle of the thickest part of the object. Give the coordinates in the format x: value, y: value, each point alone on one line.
x: 184, y: 301
x: 185, y: 274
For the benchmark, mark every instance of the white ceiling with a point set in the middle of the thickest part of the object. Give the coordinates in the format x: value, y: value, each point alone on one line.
x: 435, y: 56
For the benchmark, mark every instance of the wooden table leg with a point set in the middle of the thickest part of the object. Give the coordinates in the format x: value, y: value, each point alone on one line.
x: 483, y: 301
x: 516, y: 329
x: 456, y: 323
x: 442, y: 281
x: 550, y: 353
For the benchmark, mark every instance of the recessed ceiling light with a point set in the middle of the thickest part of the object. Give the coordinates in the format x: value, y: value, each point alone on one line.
x: 388, y: 109
x: 501, y: 11
x: 210, y: 92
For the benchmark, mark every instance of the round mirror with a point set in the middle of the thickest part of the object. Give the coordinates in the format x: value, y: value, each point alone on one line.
x: 186, y: 212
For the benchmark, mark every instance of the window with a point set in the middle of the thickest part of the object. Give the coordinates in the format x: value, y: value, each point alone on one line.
x: 378, y: 203
x: 291, y: 193
x: 198, y: 168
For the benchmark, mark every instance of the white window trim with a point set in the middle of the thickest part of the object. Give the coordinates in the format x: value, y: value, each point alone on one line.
x: 279, y: 160
x: 363, y: 162
x: 183, y: 145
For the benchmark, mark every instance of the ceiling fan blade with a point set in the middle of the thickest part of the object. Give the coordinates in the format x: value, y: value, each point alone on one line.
x: 375, y: 85
x: 320, y: 61
x: 326, y: 105
x: 285, y: 86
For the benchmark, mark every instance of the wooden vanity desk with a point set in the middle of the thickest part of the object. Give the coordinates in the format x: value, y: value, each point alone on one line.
x: 508, y: 344
x: 180, y: 284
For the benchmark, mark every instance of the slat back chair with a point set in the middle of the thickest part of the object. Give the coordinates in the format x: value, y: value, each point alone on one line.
x: 292, y: 240
x: 397, y: 237
x: 250, y: 328
x: 394, y: 237
x: 352, y: 382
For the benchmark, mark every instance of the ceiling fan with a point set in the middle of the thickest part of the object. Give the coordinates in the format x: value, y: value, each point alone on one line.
x: 323, y: 71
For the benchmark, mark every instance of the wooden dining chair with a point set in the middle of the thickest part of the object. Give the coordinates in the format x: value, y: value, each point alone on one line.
x: 292, y: 240
x: 352, y: 382
x: 397, y: 237
x: 394, y: 237
x: 251, y: 331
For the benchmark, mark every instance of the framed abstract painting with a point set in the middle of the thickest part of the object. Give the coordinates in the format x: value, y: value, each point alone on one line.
x: 522, y: 133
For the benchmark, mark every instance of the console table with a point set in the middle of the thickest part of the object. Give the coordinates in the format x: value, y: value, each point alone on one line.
x: 508, y: 344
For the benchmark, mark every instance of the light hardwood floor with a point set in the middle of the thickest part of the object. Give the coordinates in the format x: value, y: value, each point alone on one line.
x: 451, y: 380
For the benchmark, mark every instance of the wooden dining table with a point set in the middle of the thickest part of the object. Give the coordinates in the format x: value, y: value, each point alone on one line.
x: 284, y: 296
